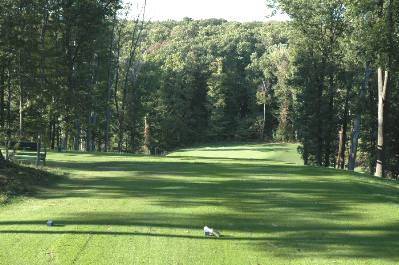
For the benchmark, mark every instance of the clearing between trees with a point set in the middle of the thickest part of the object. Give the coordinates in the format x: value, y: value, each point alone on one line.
x: 126, y: 209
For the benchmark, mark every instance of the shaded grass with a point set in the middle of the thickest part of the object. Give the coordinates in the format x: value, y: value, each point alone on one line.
x: 115, y: 209
x: 17, y: 180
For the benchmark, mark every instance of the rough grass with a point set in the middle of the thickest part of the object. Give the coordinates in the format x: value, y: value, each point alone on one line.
x: 113, y: 209
x: 17, y: 180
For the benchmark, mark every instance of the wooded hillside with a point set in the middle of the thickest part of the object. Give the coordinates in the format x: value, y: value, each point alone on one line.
x: 83, y: 77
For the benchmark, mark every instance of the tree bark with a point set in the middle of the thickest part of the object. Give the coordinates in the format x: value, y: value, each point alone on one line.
x: 147, y: 137
x: 54, y: 132
x: 319, y: 99
x: 20, y: 113
x: 319, y: 149
x: 357, y: 122
x: 2, y: 107
x: 342, y: 137
x: 77, y: 138
x: 39, y: 147
x: 330, y: 122
x: 382, y: 90
x: 134, y: 44
x: 8, y: 126
x: 2, y: 99
x: 109, y: 88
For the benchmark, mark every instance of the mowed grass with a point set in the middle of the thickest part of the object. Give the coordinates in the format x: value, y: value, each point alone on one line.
x: 116, y: 209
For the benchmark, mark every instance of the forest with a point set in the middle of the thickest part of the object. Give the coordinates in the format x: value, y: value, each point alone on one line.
x: 85, y: 76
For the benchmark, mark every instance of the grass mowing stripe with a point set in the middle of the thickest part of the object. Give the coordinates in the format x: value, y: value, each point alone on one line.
x: 151, y: 210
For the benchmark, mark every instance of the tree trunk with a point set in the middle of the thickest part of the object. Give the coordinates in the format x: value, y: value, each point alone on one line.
x: 344, y: 127
x: 76, y: 142
x: 59, y: 147
x: 382, y: 90
x: 342, y: 141
x: 147, y: 137
x: 90, y: 141
x: 54, y: 132
x: 89, y: 134
x: 20, y: 113
x: 319, y: 149
x: 93, y: 131
x: 8, y: 129
x: 134, y: 44
x: 109, y: 88
x: 2, y: 107
x: 39, y: 147
x: 43, y: 82
x: 341, y: 150
x: 2, y: 99
x: 357, y: 122
x: 264, y: 122
x: 65, y: 140
x: 330, y: 122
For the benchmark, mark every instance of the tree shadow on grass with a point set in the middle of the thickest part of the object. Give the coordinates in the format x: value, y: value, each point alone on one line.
x: 237, y: 186
x: 299, y: 238
x: 289, y: 207
x: 235, y: 167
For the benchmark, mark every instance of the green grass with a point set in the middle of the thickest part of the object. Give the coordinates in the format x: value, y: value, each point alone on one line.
x: 114, y: 209
x: 16, y: 180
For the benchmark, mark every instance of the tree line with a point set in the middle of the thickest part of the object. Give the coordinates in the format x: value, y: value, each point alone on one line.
x: 85, y: 76
x: 346, y: 77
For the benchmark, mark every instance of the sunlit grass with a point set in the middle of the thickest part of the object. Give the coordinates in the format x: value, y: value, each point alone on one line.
x: 116, y: 209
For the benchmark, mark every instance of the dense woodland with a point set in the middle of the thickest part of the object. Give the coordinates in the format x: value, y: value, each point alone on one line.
x: 82, y: 75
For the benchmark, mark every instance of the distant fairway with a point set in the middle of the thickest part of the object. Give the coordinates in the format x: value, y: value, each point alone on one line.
x: 116, y: 209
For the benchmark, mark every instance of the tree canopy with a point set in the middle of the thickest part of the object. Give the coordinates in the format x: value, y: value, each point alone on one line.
x: 84, y: 77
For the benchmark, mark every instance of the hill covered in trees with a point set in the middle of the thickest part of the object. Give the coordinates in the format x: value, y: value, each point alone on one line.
x: 85, y: 78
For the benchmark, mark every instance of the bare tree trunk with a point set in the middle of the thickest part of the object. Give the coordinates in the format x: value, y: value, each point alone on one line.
x: 2, y: 99
x: 264, y: 88
x: 134, y: 44
x: 340, y: 163
x: 90, y: 145
x: 58, y: 137
x: 341, y: 150
x: 382, y: 90
x: 53, y: 132
x: 66, y: 139
x: 116, y: 85
x: 109, y: 88
x: 43, y: 81
x: 8, y: 129
x: 264, y: 121
x: 39, y: 147
x: 77, y: 138
x: 20, y: 113
x: 342, y: 141
x: 89, y: 134
x: 328, y: 139
x: 357, y: 122
x: 319, y: 148
x: 147, y: 137
x: 2, y: 107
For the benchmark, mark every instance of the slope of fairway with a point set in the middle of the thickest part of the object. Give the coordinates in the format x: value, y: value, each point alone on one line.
x: 115, y: 209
